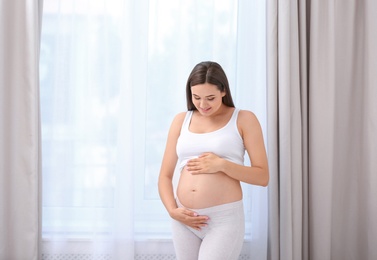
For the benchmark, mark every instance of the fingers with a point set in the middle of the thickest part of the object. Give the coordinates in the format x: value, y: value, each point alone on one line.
x: 194, y: 220
x: 194, y: 167
x: 195, y: 215
x: 190, y: 213
x: 199, y: 223
x: 202, y: 164
x: 205, y: 154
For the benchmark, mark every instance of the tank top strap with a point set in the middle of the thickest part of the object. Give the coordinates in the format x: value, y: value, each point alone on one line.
x: 233, y: 119
x: 187, y: 120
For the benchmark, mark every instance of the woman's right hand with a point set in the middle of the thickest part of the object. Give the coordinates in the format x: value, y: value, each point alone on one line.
x: 189, y: 218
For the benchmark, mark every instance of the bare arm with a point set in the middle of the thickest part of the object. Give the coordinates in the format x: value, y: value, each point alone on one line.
x: 252, y: 135
x: 169, y: 161
x: 165, y: 185
x: 257, y: 173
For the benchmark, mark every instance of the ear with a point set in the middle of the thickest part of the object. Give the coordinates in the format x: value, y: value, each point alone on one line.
x: 223, y: 94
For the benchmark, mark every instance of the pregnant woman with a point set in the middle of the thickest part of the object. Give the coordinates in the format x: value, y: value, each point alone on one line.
x: 208, y: 142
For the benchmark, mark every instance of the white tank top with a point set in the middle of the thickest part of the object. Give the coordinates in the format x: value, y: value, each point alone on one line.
x: 225, y: 142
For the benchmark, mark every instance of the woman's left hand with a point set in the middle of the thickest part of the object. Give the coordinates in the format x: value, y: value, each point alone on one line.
x: 205, y: 163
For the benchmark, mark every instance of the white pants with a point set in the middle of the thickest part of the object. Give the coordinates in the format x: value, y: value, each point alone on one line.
x: 222, y: 239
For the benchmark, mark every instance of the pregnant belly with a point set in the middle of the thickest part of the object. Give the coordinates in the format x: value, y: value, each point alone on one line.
x: 207, y: 190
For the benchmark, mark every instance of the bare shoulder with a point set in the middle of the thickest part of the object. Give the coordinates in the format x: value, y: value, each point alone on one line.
x: 178, y: 119
x: 246, y: 117
x: 248, y: 123
x: 177, y: 122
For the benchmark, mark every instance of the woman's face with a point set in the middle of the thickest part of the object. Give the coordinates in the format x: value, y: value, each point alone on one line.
x: 207, y: 98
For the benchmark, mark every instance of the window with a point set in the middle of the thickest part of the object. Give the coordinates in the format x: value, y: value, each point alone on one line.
x: 107, y: 66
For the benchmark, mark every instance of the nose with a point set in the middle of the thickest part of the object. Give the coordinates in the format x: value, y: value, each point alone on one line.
x: 203, y: 103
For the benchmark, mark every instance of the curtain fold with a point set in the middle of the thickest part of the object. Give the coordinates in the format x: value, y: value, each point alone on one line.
x: 322, y: 196
x: 20, y: 143
x: 342, y: 176
x: 287, y: 116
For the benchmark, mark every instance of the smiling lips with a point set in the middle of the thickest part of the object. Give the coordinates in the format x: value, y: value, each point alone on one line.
x: 205, y: 110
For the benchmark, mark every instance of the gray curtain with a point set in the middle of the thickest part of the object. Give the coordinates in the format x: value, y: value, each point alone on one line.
x: 20, y: 179
x: 322, y: 129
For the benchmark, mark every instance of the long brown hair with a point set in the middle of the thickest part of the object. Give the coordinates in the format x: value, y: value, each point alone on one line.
x: 212, y: 73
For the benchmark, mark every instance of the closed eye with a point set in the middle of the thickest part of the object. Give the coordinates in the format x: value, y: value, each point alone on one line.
x: 209, y: 98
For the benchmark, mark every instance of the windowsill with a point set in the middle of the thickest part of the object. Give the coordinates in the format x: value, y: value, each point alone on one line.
x: 159, y: 246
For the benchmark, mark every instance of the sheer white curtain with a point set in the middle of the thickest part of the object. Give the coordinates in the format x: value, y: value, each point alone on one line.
x: 113, y: 75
